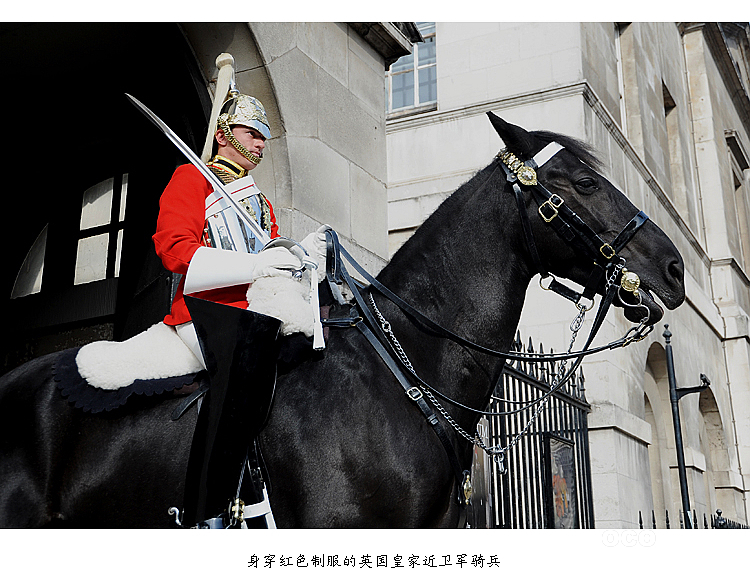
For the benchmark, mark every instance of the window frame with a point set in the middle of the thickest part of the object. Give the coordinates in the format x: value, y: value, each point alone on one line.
x: 414, y: 70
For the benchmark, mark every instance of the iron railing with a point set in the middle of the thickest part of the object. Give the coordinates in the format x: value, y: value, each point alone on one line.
x: 547, y: 477
x: 716, y: 521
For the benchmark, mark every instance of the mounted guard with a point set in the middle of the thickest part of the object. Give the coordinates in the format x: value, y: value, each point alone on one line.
x: 217, y: 236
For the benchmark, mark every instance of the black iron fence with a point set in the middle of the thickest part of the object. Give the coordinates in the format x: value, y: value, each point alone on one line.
x: 545, y: 479
x: 713, y: 522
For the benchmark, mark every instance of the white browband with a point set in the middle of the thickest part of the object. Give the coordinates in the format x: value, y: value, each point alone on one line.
x: 547, y: 153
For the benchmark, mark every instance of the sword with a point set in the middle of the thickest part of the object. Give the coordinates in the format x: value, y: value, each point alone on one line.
x: 205, y: 171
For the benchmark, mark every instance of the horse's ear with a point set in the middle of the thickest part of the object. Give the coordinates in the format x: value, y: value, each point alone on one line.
x: 518, y: 140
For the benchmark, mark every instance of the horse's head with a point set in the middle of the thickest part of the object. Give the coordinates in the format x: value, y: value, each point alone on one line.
x: 570, y: 174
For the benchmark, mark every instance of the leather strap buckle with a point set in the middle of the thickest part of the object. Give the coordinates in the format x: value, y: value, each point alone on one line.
x: 548, y: 209
x: 607, y: 251
x: 414, y: 393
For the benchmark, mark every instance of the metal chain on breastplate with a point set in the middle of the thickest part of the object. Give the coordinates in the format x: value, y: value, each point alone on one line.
x: 386, y: 327
x: 497, y: 454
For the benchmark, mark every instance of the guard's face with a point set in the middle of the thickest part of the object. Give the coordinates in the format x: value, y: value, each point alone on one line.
x: 249, y: 138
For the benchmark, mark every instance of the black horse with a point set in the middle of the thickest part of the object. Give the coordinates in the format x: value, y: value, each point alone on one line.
x: 344, y: 446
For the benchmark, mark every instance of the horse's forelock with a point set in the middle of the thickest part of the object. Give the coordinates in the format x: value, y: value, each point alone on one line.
x: 581, y: 150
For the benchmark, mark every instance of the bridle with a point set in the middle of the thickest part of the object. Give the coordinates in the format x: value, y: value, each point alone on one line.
x: 607, y: 262
x: 608, y: 265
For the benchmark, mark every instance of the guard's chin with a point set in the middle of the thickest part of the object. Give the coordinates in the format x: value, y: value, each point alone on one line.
x: 636, y: 310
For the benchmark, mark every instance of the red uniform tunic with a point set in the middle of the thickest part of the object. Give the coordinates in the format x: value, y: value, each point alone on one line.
x: 179, y: 230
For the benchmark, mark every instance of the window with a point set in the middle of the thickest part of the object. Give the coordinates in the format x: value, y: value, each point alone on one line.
x: 29, y: 278
x: 100, y: 239
x: 739, y: 236
x: 411, y: 81
x: 620, y: 28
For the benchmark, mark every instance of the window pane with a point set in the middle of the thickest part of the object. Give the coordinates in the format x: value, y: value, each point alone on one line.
x: 97, y: 205
x: 426, y: 52
x: 426, y: 28
x: 119, y: 252
x: 403, y: 63
x: 123, y: 196
x: 29, y: 278
x: 427, y: 85
x: 91, y: 260
x: 403, y: 90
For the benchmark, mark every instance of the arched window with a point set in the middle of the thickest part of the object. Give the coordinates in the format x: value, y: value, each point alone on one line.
x: 29, y: 278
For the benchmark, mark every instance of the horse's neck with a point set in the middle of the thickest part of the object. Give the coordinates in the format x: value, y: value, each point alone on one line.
x: 466, y: 270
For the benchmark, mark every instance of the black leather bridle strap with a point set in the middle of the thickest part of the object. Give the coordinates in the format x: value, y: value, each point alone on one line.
x: 629, y: 231
x: 526, y: 226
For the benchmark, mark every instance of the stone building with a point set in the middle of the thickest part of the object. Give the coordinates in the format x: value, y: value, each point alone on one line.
x: 84, y: 200
x: 666, y: 106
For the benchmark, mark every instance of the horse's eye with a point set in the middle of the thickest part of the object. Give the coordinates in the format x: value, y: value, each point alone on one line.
x: 587, y: 185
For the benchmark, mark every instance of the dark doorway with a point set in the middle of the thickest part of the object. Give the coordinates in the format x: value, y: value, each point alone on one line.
x: 83, y: 175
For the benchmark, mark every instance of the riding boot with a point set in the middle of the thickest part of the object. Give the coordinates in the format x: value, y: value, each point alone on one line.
x: 240, y: 349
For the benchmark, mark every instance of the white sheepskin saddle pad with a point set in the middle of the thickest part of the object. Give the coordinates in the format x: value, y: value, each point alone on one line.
x: 156, y: 353
x: 285, y: 299
x: 160, y: 353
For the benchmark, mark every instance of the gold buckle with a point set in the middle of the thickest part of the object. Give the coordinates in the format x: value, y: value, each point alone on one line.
x: 555, y: 201
x: 608, y: 247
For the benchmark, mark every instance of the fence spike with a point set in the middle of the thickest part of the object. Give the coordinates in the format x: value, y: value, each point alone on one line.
x: 640, y: 520
x: 653, y: 518
x: 667, y: 519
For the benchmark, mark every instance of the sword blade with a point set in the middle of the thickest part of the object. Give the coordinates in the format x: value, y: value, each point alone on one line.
x: 198, y: 164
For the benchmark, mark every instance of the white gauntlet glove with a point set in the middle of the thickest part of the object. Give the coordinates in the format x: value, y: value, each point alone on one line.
x: 212, y: 268
x: 275, y: 261
x: 315, y: 246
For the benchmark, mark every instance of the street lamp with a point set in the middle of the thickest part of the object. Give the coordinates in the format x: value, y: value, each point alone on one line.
x: 674, y: 397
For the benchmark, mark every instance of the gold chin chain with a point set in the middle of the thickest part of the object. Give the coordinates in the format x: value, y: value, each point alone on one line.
x: 222, y: 124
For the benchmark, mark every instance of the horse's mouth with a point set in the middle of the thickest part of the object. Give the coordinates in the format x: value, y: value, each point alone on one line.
x: 641, y: 307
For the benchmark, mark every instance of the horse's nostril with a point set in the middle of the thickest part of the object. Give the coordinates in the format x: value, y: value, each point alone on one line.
x: 676, y: 270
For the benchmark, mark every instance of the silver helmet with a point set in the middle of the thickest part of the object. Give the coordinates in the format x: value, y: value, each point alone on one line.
x: 240, y: 109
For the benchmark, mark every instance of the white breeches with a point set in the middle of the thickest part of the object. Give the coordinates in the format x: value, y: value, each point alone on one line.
x: 187, y: 333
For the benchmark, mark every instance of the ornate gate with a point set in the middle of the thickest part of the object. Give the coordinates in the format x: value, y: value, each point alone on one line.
x: 547, y: 481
